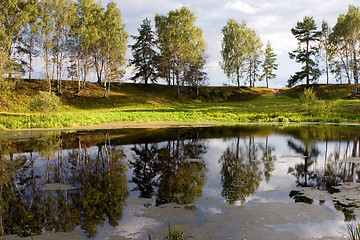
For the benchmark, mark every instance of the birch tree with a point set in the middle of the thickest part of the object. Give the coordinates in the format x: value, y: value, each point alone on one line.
x: 180, y: 42
x: 84, y: 36
x: 62, y: 17
x: 28, y: 46
x: 325, y: 46
x: 113, y: 44
x: 14, y: 15
x: 346, y: 42
x: 47, y: 29
x: 240, y: 52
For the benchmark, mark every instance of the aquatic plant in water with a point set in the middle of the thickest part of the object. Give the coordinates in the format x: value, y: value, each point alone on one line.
x: 174, y: 233
x: 354, y: 233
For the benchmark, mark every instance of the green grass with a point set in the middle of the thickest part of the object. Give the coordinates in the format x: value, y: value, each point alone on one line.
x: 137, y: 103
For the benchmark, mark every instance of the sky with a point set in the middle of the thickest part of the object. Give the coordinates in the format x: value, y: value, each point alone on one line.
x: 272, y: 19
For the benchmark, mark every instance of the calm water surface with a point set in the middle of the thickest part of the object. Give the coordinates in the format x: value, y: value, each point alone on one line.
x: 255, y: 181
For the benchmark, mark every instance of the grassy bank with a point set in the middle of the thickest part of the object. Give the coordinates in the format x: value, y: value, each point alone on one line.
x: 138, y: 103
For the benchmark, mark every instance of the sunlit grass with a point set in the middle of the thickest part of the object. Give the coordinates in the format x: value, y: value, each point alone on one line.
x: 253, y: 111
x: 137, y: 103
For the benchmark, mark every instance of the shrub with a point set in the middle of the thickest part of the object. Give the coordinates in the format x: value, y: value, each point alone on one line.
x: 282, y: 119
x: 174, y: 233
x: 7, y: 88
x: 311, y: 104
x: 45, y: 102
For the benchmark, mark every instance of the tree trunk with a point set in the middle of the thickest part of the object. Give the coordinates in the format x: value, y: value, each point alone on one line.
x: 355, y: 73
x: 178, y: 86
x: 238, y: 77
x: 307, y: 65
x: 250, y: 74
x: 146, y: 79
x: 108, y: 88
x: 267, y: 81
x: 327, y: 68
x: 105, y: 88
x: 30, y: 63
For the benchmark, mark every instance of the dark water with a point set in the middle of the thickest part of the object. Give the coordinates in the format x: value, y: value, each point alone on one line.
x: 85, y: 181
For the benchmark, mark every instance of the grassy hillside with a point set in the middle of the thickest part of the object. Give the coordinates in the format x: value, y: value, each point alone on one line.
x: 140, y: 103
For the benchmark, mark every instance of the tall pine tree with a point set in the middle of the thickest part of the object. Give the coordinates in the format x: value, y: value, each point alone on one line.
x: 307, y: 35
x: 144, y: 53
x: 269, y: 65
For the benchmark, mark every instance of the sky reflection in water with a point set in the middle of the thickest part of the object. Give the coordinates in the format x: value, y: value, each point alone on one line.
x: 222, y: 171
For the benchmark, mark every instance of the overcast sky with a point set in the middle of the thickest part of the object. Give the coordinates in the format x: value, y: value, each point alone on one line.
x: 272, y: 19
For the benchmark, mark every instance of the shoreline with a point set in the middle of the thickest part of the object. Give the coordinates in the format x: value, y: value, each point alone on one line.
x: 169, y: 124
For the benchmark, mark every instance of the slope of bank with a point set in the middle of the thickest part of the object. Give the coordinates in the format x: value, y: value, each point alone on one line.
x: 136, y: 103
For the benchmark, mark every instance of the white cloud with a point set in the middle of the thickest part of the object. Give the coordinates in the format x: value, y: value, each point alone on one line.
x: 241, y: 6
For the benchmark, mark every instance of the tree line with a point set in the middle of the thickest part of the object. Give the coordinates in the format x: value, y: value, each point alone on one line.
x: 337, y: 48
x: 176, y: 52
x: 71, y: 38
x: 326, y: 51
x: 76, y: 38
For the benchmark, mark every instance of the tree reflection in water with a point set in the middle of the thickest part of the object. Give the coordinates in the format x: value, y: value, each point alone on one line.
x: 178, y: 167
x: 168, y: 166
x: 334, y: 172
x: 99, y: 194
x: 241, y: 171
x: 145, y: 166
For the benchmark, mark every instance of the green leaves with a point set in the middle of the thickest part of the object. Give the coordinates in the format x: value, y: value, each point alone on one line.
x: 241, y: 50
x: 45, y: 102
x: 345, y: 41
x: 311, y: 105
x: 269, y: 65
x: 181, y: 45
x: 307, y: 35
x: 144, y: 53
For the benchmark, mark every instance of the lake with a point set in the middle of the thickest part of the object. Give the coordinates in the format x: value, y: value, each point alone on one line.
x: 230, y: 182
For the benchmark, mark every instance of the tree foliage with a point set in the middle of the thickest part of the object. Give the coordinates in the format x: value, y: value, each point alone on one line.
x: 345, y: 41
x: 29, y: 41
x: 112, y: 46
x: 181, y: 46
x: 240, y: 52
x: 79, y: 37
x: 45, y: 102
x: 325, y: 47
x: 307, y: 35
x: 269, y: 65
x: 14, y: 15
x: 144, y: 53
x: 311, y: 104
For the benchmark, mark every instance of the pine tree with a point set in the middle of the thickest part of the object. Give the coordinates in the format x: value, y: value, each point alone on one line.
x: 269, y: 65
x: 144, y: 53
x: 306, y: 34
